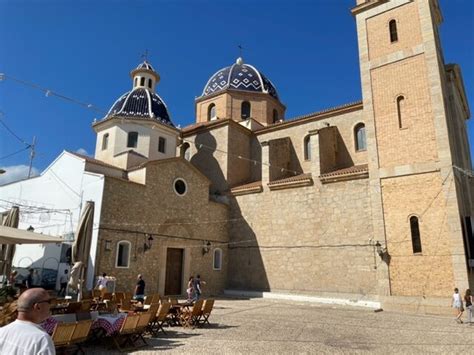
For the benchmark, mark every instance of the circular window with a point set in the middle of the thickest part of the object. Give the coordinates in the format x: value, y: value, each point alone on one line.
x: 180, y: 186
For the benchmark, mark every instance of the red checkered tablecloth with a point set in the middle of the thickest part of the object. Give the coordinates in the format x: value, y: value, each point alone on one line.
x: 109, y: 323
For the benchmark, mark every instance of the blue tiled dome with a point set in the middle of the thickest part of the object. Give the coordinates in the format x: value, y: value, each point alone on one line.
x: 141, y: 103
x: 239, y: 76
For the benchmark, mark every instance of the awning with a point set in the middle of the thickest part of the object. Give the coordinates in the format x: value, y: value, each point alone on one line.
x: 10, y: 235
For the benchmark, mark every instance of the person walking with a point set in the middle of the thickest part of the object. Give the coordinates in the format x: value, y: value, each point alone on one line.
x: 457, y: 305
x: 190, y: 289
x: 468, y: 299
x: 197, y: 287
x: 102, y: 284
x: 25, y: 335
x: 63, y: 280
x: 140, y: 289
x: 29, y: 279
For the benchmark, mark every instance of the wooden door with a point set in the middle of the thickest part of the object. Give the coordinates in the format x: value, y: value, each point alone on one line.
x: 174, y: 271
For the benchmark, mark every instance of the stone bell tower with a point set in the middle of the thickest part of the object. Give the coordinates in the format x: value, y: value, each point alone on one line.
x: 412, y: 132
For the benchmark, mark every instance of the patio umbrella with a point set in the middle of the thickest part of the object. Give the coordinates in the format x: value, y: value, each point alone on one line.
x: 81, y: 248
x: 8, y: 250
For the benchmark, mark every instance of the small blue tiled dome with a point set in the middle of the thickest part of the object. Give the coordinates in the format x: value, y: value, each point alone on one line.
x: 239, y: 76
x: 141, y: 103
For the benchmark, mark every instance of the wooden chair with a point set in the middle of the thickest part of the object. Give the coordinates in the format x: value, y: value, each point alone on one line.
x: 125, y: 306
x: 206, y: 312
x: 126, y: 331
x: 161, y: 317
x: 80, y: 334
x: 62, y: 334
x: 73, y: 307
x: 142, y: 325
x: 191, y: 318
x: 85, y: 306
x: 96, y: 294
x: 118, y: 297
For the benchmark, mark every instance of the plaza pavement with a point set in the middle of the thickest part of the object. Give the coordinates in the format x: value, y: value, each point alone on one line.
x: 263, y: 326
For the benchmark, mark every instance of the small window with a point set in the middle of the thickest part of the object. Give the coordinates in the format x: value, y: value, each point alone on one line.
x: 360, y: 138
x: 415, y: 234
x: 186, y: 151
x: 400, y: 110
x: 275, y: 116
x: 180, y: 187
x: 393, y: 31
x: 211, y: 113
x: 149, y: 83
x: 245, y: 110
x: 161, y: 144
x: 307, y: 148
x: 132, y: 141
x: 142, y: 81
x: 136, y: 81
x: 105, y: 141
x: 123, y: 254
x: 217, y: 263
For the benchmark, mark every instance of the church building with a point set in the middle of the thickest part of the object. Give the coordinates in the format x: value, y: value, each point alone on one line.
x: 368, y: 203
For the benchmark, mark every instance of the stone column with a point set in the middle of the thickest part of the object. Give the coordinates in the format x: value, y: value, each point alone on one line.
x: 265, y: 163
x: 315, y: 156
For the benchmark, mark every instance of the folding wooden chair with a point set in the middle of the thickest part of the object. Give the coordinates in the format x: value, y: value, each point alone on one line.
x: 142, y: 325
x: 80, y: 334
x: 161, y: 317
x: 191, y: 318
x: 206, y: 312
x: 62, y: 334
x: 126, y: 332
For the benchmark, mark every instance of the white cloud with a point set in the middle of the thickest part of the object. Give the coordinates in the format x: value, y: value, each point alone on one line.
x: 82, y: 151
x: 15, y: 173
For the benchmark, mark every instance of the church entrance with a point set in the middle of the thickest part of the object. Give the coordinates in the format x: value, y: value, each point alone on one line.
x: 174, y: 271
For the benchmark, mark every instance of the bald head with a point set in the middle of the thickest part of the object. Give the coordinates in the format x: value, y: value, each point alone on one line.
x: 31, y: 296
x: 33, y: 305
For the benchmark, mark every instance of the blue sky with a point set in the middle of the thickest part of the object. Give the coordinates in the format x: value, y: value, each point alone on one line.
x: 85, y: 50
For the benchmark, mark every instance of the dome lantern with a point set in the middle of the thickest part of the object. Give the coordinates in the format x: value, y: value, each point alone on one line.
x: 144, y: 76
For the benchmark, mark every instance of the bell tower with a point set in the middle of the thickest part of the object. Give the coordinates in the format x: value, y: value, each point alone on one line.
x: 411, y: 146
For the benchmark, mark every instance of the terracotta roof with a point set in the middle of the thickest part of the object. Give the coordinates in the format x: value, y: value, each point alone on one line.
x: 313, y: 116
x: 291, y: 179
x: 255, y: 186
x: 356, y: 170
x: 95, y: 161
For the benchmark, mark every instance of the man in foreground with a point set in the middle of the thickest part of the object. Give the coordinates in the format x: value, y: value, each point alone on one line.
x: 25, y: 336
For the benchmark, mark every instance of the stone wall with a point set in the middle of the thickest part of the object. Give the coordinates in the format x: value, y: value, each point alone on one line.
x: 132, y: 210
x: 304, y: 240
x: 430, y: 272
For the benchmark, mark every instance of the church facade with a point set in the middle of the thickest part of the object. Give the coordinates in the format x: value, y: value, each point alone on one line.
x: 371, y: 201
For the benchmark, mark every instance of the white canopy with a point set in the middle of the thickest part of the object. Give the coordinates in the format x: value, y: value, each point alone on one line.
x: 19, y: 236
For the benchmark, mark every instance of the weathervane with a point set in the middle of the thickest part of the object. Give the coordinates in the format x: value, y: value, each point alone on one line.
x: 240, y: 50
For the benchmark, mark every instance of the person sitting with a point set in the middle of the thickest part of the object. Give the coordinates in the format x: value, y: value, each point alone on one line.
x: 25, y: 335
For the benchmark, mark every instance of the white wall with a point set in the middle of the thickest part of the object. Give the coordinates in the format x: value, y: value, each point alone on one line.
x: 51, y: 203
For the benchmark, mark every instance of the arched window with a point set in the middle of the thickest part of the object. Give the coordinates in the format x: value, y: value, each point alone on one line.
x: 400, y: 110
x: 132, y: 141
x: 359, y: 137
x: 186, y: 151
x: 149, y: 83
x: 307, y: 148
x: 105, y: 141
x: 123, y: 254
x: 415, y: 234
x: 245, y: 110
x: 142, y: 81
x: 275, y: 116
x: 136, y: 81
x: 217, y: 262
x: 211, y: 112
x: 393, y: 31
